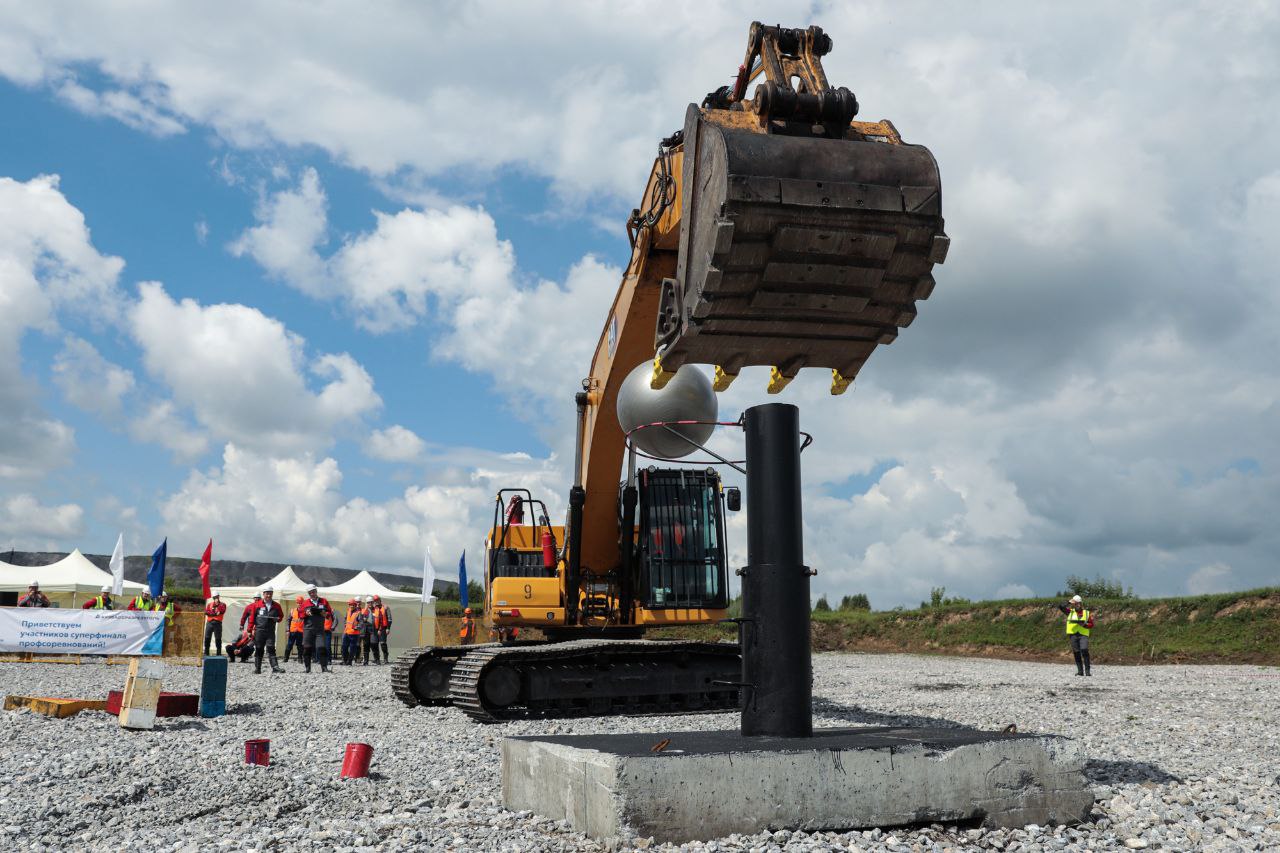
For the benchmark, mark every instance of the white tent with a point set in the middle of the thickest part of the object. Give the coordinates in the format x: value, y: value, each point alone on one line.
x: 405, y: 607
x: 68, y: 582
x: 287, y: 586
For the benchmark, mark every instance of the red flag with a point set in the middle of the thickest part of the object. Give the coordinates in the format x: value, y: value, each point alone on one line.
x: 204, y: 568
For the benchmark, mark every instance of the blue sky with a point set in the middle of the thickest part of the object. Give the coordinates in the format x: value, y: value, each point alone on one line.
x: 382, y: 268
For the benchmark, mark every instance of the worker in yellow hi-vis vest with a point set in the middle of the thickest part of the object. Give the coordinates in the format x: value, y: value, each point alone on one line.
x: 1079, y: 626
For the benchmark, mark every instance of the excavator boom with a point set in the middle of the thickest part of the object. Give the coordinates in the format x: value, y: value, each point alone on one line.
x: 774, y: 230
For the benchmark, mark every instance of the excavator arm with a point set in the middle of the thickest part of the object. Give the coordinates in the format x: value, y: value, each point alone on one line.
x: 775, y: 231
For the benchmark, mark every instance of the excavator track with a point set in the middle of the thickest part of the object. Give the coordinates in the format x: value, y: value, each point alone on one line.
x: 582, y: 678
x: 420, y: 676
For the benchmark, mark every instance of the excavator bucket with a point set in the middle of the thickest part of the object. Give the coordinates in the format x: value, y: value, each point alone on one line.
x: 805, y: 239
x: 797, y: 252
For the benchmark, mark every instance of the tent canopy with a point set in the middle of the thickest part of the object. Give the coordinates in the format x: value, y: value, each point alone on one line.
x: 366, y: 584
x: 285, y: 585
x: 72, y: 574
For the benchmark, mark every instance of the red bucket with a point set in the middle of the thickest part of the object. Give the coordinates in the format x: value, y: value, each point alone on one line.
x: 355, y: 763
x: 257, y: 751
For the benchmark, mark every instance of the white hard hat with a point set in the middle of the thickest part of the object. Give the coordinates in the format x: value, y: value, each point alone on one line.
x: 267, y: 589
x: 106, y: 589
x: 369, y: 598
x: 215, y: 594
x: 311, y: 587
x: 257, y: 595
x: 34, y: 584
x: 1075, y: 599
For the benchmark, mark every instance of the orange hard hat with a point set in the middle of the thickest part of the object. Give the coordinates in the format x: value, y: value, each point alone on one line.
x: 301, y: 598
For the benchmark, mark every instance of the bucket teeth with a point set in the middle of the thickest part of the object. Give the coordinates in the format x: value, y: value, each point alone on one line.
x: 723, y: 379
x: 660, y: 377
x: 777, y: 381
x: 838, y: 383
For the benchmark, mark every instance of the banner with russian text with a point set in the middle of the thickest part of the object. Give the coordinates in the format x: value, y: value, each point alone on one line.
x: 59, y: 631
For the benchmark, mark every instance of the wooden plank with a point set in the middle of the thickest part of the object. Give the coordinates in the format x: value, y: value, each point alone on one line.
x: 141, y: 694
x: 52, y: 707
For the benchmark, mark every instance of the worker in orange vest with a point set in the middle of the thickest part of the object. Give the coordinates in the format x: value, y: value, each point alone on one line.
x: 351, y: 633
x: 382, y: 621
x: 369, y: 631
x: 214, y: 612
x: 467, y: 630
x: 295, y: 629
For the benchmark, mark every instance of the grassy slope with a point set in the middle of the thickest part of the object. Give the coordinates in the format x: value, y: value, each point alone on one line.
x: 1239, y: 627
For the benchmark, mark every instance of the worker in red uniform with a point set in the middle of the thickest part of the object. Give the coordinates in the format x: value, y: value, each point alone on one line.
x: 295, y: 629
x: 382, y: 622
x: 34, y: 597
x: 316, y: 612
x: 351, y: 633
x: 244, y: 616
x: 101, y: 601
x: 264, y: 615
x: 214, y: 612
x: 143, y: 601
x: 243, y: 647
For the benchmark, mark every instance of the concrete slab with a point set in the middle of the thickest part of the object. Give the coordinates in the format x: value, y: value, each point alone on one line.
x: 704, y: 785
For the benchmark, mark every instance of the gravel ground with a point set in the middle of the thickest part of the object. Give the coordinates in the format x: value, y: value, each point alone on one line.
x: 1181, y: 758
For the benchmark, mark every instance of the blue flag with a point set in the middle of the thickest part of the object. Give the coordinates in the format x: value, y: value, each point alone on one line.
x: 462, y: 579
x: 155, y: 575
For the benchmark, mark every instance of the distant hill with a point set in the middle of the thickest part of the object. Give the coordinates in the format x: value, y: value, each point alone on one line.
x: 183, y: 571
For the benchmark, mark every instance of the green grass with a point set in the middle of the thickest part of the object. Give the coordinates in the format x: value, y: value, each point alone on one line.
x: 1192, y: 629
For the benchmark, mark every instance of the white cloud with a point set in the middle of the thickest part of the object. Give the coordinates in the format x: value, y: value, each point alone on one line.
x: 1215, y: 577
x: 449, y: 267
x: 1090, y: 390
x: 88, y: 380
x: 160, y: 423
x: 293, y: 509
x: 292, y: 226
x: 138, y: 110
x: 244, y: 375
x: 394, y: 444
x: 48, y: 268
x: 23, y: 517
x: 1015, y: 590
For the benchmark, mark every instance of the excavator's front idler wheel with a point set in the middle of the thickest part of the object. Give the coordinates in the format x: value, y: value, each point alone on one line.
x: 501, y: 686
x: 429, y: 681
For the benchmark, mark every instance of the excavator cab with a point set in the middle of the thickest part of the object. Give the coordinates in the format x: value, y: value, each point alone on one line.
x: 521, y: 555
x: 681, y: 556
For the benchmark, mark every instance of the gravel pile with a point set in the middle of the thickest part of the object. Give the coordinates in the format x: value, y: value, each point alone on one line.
x: 1181, y: 758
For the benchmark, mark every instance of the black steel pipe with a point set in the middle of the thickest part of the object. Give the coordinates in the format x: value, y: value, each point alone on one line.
x: 777, y: 666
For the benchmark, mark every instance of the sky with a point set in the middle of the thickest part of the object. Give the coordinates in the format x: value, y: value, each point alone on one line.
x: 315, y: 280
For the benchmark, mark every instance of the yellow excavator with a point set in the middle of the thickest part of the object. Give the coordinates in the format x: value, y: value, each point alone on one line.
x: 775, y: 230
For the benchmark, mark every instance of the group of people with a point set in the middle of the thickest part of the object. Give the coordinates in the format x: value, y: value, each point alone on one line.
x: 104, y: 601
x: 311, y: 623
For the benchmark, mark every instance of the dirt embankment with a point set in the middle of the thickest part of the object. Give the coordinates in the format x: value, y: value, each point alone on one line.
x: 1227, y: 628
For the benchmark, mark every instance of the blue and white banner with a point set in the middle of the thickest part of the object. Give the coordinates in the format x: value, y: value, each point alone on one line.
x: 81, y: 632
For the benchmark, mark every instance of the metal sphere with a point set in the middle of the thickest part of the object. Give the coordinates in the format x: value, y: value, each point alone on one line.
x: 687, y: 397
